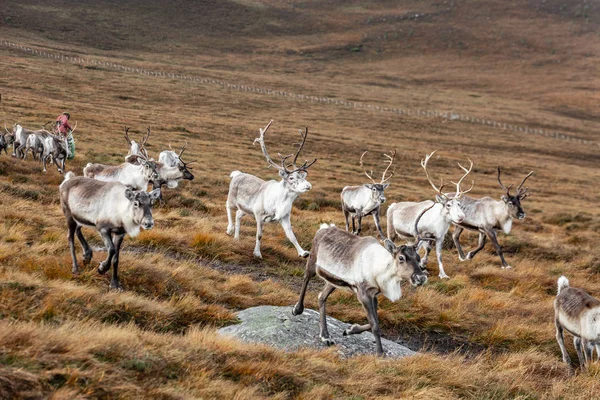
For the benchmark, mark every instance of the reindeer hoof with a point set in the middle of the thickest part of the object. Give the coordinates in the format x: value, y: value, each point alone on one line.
x: 304, y: 254
x: 230, y: 231
x: 297, y: 309
x: 327, y: 341
x: 75, y: 270
x: 257, y: 254
x: 443, y: 276
x: 102, y: 268
x: 115, y: 286
x: 507, y: 267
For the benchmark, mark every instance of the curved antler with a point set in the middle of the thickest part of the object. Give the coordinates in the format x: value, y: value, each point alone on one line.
x: 6, y: 129
x: 146, y: 137
x: 424, y: 165
x: 306, y: 164
x: 363, y: 167
x: 467, y: 171
x: 507, y: 189
x: 390, y: 162
x: 522, y: 193
x: 261, y: 140
x: 127, y: 135
x: 417, y: 237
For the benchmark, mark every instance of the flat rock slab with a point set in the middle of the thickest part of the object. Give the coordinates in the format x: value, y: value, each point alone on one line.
x: 277, y: 327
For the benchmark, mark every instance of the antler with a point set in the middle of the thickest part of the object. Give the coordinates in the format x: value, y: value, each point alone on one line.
x: 6, y: 129
x: 467, y: 171
x: 390, y: 162
x: 417, y: 237
x: 127, y: 135
x: 424, y: 165
x: 263, y: 146
x: 363, y: 167
x: 522, y: 193
x: 306, y: 164
x: 507, y: 189
x: 146, y: 137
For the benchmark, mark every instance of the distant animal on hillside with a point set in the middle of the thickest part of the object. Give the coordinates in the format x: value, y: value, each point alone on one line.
x: 363, y: 266
x: 269, y: 201
x: 20, y: 136
x: 112, y: 208
x: 487, y: 215
x: 6, y: 140
x: 360, y: 201
x: 56, y: 149
x: 35, y: 143
x: 435, y: 223
x: 578, y: 313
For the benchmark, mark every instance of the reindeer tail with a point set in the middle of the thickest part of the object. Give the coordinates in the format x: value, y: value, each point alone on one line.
x: 68, y: 176
x: 325, y: 226
x: 563, y: 283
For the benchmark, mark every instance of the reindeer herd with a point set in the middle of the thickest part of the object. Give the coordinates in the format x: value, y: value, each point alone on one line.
x: 114, y: 199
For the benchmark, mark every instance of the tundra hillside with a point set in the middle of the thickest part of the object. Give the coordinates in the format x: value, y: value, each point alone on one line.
x: 484, y: 333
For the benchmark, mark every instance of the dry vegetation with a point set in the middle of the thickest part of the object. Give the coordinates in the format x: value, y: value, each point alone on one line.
x: 525, y: 62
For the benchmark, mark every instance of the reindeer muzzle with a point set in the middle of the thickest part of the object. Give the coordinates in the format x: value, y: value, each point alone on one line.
x: 418, y: 279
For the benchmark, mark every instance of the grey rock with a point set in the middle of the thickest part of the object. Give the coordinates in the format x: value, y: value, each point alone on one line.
x: 277, y: 327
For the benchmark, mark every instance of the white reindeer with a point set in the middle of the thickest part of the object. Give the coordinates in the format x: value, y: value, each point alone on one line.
x: 435, y: 223
x: 56, y: 148
x: 487, y: 215
x: 578, y: 313
x: 269, y: 201
x: 363, y: 266
x: 112, y: 208
x: 136, y: 176
x: 360, y: 201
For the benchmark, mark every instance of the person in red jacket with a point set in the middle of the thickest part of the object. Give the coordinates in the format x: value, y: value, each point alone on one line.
x: 62, y: 126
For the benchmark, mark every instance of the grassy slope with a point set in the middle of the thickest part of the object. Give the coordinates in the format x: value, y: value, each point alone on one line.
x: 516, y: 62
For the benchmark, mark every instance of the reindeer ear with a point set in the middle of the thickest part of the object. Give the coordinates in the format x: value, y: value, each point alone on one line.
x: 385, y: 186
x: 283, y: 174
x: 130, y: 194
x: 389, y: 246
x: 440, y: 199
x: 154, y: 195
x: 369, y: 185
x: 302, y: 174
x: 505, y: 198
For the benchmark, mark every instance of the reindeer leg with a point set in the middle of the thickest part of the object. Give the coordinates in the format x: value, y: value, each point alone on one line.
x: 439, y: 242
x: 346, y: 215
x: 230, y: 226
x: 561, y: 343
x: 259, y: 233
x: 327, y: 290
x: 287, y: 228
x: 492, y: 235
x: 378, y: 224
x: 114, y: 282
x: 87, y: 250
x: 578, y: 348
x: 588, y: 351
x: 425, y: 259
x: 353, y: 227
x: 105, y: 265
x: 369, y: 303
x: 309, y: 273
x: 481, y: 244
x: 44, y: 161
x: 359, y: 218
x: 238, y: 221
x: 456, y: 238
x: 72, y: 225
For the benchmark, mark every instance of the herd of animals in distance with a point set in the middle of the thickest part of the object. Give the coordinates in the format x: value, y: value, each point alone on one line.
x: 114, y: 199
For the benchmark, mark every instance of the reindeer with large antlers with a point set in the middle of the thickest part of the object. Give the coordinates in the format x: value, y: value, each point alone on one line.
x: 487, y: 215
x: 363, y: 266
x: 435, y: 223
x: 360, y: 201
x: 268, y: 201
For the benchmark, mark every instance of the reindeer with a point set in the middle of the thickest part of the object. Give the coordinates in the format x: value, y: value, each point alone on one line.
x: 112, y: 208
x: 56, y: 149
x: 578, y: 313
x: 135, y: 176
x: 487, y: 215
x: 268, y: 201
x: 435, y: 223
x: 5, y: 141
x: 35, y: 142
x: 363, y: 266
x: 20, y: 136
x: 171, y: 168
x: 360, y: 201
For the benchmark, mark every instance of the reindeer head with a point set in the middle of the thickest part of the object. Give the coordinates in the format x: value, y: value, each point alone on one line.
x: 184, y: 167
x: 377, y: 188
x: 450, y: 201
x: 406, y: 257
x: 293, y: 176
x: 513, y: 202
x: 142, y: 206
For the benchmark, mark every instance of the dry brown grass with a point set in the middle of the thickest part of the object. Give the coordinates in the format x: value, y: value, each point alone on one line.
x: 65, y: 336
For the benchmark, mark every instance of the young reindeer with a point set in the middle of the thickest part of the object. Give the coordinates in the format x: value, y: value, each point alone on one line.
x: 56, y: 148
x: 363, y: 266
x: 112, y: 208
x: 487, y: 215
x: 435, y: 223
x: 137, y: 176
x: 268, y: 201
x: 360, y: 201
x: 578, y: 313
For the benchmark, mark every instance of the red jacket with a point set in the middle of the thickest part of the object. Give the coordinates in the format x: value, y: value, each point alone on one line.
x: 62, y: 124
